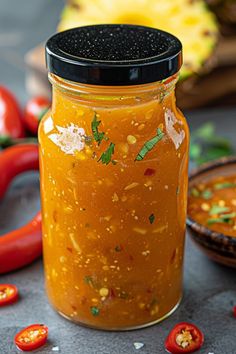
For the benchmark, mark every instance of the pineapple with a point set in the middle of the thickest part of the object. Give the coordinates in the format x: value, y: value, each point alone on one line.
x: 189, y: 20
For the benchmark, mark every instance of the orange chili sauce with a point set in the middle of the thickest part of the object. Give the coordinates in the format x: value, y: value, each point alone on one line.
x: 113, y: 234
x: 213, y: 204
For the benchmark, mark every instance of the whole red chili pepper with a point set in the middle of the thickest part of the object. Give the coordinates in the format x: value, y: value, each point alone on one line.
x: 15, y: 160
x: 19, y: 247
x: 184, y: 338
x: 34, y: 111
x: 11, y: 123
x: 22, y: 246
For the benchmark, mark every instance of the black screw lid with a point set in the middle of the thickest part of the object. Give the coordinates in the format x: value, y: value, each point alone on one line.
x: 114, y: 55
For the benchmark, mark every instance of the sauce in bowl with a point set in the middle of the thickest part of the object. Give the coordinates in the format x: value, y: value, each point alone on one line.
x: 213, y: 204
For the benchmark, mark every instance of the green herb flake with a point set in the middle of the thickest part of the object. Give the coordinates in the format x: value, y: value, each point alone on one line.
x: 207, y: 194
x: 106, y: 156
x: 149, y: 145
x: 218, y: 221
x: 195, y: 192
x: 88, y: 280
x: 151, y: 218
x: 228, y: 216
x: 177, y: 190
x: 217, y: 209
x: 219, y: 186
x: 98, y: 136
x: 223, y: 219
x: 154, y: 301
x: 94, y: 311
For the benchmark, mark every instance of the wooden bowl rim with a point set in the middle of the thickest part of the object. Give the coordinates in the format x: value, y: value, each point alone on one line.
x: 199, y: 228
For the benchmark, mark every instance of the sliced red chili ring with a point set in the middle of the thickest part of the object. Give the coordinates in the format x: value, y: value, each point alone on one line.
x: 8, y: 294
x: 31, y: 337
x: 184, y: 338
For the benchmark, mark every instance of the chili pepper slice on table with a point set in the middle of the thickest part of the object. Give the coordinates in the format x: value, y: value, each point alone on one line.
x: 31, y: 337
x: 11, y: 123
x: 22, y: 246
x: 34, y: 111
x: 184, y: 338
x: 15, y: 160
x: 8, y: 294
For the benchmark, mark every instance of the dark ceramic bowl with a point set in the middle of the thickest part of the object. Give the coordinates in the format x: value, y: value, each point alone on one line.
x: 219, y: 247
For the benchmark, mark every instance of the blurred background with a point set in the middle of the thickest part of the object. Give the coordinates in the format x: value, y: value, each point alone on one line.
x: 24, y: 25
x: 207, y: 29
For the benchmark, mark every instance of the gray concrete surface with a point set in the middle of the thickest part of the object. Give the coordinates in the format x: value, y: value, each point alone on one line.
x: 210, y: 289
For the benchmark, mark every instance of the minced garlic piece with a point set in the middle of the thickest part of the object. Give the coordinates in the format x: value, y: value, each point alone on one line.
x: 141, y: 305
x: 123, y: 148
x: 221, y: 203
x: 131, y: 139
x: 74, y: 243
x: 131, y: 186
x: 146, y: 253
x: 148, y: 183
x: 103, y: 292
x: 155, y: 310
x: 68, y: 210
x: 115, y: 198
x: 107, y: 218
x: 160, y: 229
x: 141, y: 127
x: 205, y: 207
x: 139, y: 230
x: 105, y: 267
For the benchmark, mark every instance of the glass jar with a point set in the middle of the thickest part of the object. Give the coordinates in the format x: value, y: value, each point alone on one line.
x: 113, y: 164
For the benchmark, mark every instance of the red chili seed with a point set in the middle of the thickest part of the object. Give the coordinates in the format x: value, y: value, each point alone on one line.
x: 112, y: 293
x: 149, y: 172
x: 149, y: 291
x: 131, y: 258
x: 173, y: 256
x: 83, y: 300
